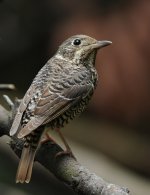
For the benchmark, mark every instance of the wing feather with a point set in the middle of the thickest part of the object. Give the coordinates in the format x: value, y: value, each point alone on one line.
x: 21, y: 109
x: 58, y: 91
x: 53, y: 105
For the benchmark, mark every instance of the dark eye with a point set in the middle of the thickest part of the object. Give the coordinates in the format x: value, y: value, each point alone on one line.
x: 77, y: 42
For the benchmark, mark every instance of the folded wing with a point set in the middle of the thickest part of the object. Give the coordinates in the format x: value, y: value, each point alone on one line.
x: 53, y: 105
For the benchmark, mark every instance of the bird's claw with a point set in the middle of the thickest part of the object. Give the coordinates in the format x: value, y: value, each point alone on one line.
x: 68, y: 153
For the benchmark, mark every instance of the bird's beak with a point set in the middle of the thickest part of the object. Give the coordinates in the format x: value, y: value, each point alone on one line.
x: 100, y: 44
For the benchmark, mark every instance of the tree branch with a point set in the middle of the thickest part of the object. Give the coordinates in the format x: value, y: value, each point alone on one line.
x: 64, y: 167
x: 7, y: 86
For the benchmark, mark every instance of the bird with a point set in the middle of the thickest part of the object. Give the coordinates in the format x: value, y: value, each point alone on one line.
x: 60, y: 91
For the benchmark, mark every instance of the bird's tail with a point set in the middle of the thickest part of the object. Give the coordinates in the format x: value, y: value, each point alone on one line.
x: 24, y: 171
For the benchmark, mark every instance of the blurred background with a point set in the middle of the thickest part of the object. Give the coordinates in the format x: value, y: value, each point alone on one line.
x: 112, y: 138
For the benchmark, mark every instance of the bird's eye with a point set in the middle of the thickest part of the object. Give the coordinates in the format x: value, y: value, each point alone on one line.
x: 77, y: 42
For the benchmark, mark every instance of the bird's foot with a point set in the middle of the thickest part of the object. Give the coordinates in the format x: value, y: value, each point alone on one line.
x: 66, y: 152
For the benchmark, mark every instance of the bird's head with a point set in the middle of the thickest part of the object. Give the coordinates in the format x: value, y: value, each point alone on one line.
x: 80, y: 49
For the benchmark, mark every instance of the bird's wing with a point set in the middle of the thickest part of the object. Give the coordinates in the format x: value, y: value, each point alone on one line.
x: 27, y: 98
x: 56, y: 99
x: 21, y: 109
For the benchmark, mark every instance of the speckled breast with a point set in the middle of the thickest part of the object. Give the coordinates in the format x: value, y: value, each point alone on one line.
x: 71, y: 113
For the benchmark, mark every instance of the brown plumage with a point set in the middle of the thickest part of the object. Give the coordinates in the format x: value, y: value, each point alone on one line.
x: 60, y: 91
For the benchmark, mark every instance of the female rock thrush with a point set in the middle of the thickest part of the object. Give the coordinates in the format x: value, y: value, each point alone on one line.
x: 60, y: 91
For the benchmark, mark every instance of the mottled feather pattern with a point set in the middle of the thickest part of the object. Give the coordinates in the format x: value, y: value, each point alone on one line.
x: 21, y: 109
x: 60, y: 91
x: 30, y: 109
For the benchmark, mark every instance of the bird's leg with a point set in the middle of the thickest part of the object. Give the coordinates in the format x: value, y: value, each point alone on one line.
x: 47, y: 137
x: 68, y: 149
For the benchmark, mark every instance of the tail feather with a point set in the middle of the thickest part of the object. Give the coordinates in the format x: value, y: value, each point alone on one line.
x: 28, y: 176
x: 25, y: 165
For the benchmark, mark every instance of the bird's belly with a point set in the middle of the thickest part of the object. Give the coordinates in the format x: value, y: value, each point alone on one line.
x: 70, y: 114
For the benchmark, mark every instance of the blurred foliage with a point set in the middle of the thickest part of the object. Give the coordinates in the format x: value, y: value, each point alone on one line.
x: 109, y: 6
